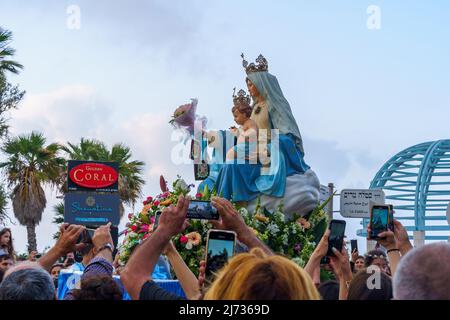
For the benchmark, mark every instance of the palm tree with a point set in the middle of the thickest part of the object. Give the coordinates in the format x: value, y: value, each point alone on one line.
x: 29, y: 166
x: 130, y: 172
x: 3, y: 205
x: 6, y: 53
x: 58, y: 218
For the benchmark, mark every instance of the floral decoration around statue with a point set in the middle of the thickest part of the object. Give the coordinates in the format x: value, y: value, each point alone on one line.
x: 294, y: 238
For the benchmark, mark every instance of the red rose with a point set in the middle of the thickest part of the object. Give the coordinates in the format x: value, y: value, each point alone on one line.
x: 144, y: 202
x: 198, y: 195
x: 156, y: 203
x: 184, y: 239
x: 149, y: 199
x: 146, y: 236
x: 133, y: 228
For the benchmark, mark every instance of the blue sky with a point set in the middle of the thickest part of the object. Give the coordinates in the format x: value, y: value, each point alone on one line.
x: 359, y: 95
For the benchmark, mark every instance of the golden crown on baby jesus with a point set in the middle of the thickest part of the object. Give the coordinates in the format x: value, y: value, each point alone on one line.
x: 261, y: 64
x: 241, y: 98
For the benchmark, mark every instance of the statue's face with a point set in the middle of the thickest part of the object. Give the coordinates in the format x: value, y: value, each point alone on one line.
x: 239, y: 118
x: 252, y: 89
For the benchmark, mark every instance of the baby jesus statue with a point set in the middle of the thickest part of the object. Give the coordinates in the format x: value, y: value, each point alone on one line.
x: 247, y: 133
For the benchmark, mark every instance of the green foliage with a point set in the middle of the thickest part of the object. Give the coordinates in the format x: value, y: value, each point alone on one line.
x: 58, y: 218
x: 3, y: 205
x: 6, y: 53
x: 29, y: 165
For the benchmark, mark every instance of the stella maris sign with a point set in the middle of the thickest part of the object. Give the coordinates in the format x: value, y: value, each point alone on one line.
x: 93, y: 175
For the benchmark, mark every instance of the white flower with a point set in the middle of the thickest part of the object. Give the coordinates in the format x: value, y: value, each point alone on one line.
x: 279, y: 215
x: 132, y: 235
x: 243, y: 212
x: 182, y: 185
x: 273, y: 228
x: 189, y: 245
x: 298, y: 261
x: 285, y: 239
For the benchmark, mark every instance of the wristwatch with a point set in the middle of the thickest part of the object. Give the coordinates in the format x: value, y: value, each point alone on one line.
x: 106, y: 246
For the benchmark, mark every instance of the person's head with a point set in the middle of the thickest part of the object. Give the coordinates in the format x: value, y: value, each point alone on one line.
x: 6, y: 241
x: 370, y: 284
x: 329, y: 290
x: 87, y: 252
x: 27, y: 281
x: 56, y: 268
x: 424, y: 273
x: 376, y: 258
x: 6, y: 262
x: 241, y: 113
x: 359, y: 263
x: 255, y: 275
x: 69, y: 260
x: 99, y: 287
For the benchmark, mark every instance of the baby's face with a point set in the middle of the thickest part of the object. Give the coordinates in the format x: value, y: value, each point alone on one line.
x: 239, y: 118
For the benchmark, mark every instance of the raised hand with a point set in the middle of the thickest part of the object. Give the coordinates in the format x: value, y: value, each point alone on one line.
x: 173, y: 218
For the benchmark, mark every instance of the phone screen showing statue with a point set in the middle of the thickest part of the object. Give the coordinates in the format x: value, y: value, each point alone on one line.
x: 379, y: 222
x: 337, y: 231
x: 219, y: 251
x: 202, y: 210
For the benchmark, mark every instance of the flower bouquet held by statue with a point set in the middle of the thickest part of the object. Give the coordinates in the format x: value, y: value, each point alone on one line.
x: 184, y: 117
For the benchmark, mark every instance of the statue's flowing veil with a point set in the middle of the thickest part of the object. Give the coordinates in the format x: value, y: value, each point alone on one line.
x: 280, y: 111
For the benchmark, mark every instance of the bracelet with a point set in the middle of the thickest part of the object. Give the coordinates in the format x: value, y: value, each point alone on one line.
x: 390, y: 250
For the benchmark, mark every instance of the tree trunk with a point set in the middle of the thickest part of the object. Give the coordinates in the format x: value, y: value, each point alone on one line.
x: 31, y: 234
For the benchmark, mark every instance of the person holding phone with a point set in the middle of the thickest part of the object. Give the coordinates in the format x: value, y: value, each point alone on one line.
x: 339, y: 262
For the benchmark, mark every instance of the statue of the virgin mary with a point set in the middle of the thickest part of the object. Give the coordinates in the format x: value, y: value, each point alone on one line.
x: 287, y: 177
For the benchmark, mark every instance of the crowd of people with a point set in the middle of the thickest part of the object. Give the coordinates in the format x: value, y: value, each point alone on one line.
x: 396, y: 270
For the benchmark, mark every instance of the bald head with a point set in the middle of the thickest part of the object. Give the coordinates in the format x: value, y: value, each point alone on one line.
x: 424, y: 273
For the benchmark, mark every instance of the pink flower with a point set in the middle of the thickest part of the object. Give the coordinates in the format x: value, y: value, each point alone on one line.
x: 198, y: 195
x: 146, y: 236
x: 194, y: 237
x: 152, y: 219
x: 133, y: 228
x: 156, y: 203
x: 144, y: 202
x: 149, y: 199
x: 144, y: 228
x: 130, y: 215
x: 126, y: 232
x: 184, y: 239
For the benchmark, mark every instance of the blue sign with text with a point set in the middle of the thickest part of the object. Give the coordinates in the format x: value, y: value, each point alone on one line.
x: 91, y: 208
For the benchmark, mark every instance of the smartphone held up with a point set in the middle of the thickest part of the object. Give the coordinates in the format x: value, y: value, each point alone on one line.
x: 220, y: 247
x: 380, y: 217
x: 202, y: 210
x: 337, y: 234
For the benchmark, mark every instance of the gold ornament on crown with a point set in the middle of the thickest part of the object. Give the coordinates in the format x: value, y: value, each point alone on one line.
x: 241, y: 98
x: 261, y: 64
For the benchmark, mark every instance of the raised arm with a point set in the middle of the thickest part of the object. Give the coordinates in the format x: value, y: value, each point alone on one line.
x: 66, y: 243
x: 230, y: 219
x: 319, y: 252
x: 142, y: 262
x: 188, y: 280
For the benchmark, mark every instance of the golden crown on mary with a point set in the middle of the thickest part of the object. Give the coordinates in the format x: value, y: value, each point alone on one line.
x: 261, y: 64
